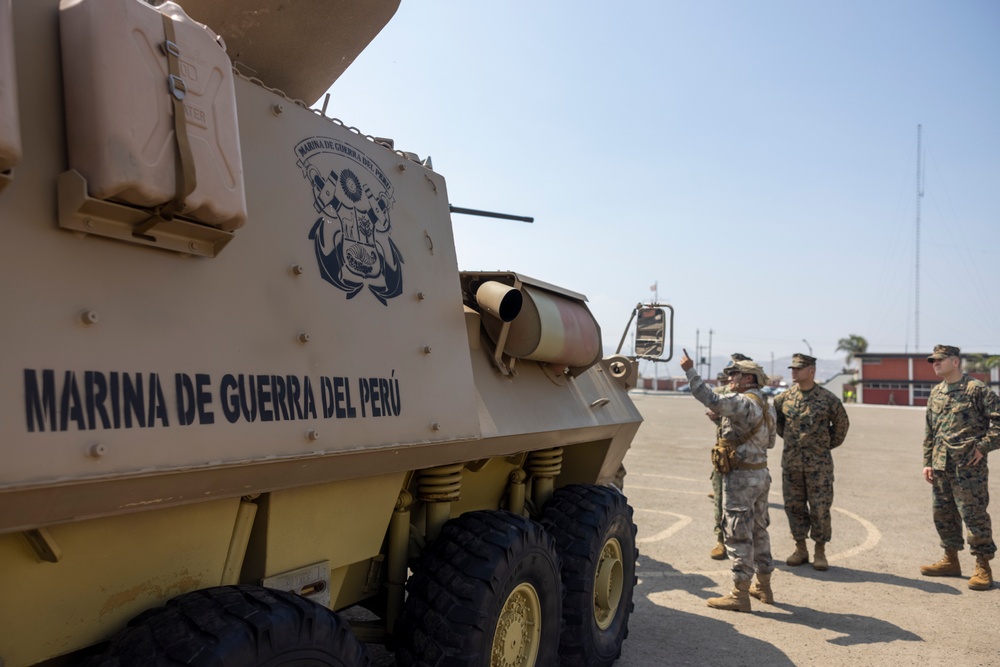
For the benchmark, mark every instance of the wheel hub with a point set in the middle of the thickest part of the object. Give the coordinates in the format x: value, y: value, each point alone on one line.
x: 608, y: 584
x: 515, y: 642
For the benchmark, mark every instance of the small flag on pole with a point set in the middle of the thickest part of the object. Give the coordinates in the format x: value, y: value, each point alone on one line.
x: 652, y: 288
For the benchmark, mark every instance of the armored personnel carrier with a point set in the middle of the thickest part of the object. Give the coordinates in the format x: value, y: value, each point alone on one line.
x: 251, y: 412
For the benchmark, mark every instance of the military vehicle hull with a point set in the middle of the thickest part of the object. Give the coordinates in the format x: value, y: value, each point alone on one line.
x: 299, y: 402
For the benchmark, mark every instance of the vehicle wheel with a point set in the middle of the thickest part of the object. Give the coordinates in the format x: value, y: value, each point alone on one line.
x: 595, y: 537
x: 236, y: 626
x: 486, y: 592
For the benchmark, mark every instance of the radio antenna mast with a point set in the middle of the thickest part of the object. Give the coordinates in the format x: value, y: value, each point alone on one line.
x: 920, y: 195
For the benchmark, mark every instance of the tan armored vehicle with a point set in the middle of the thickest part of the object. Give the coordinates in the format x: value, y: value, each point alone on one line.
x: 251, y: 412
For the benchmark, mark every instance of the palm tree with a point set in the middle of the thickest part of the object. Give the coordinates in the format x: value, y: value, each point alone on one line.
x: 852, y: 345
x: 977, y: 363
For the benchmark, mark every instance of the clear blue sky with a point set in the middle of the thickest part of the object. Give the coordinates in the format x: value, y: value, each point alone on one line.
x: 756, y: 160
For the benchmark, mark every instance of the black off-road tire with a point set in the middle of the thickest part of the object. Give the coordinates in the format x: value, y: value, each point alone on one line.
x: 486, y: 593
x: 595, y: 537
x: 236, y: 626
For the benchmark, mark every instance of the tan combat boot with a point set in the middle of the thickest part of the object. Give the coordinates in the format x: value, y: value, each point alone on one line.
x: 719, y: 552
x: 762, y: 589
x: 737, y: 600
x: 801, y: 554
x: 982, y: 580
x: 819, y: 560
x: 946, y: 567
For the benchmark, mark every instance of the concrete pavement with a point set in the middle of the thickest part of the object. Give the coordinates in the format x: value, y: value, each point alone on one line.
x: 872, y: 607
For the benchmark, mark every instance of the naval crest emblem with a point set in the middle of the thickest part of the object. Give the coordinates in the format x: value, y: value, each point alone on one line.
x: 351, y: 236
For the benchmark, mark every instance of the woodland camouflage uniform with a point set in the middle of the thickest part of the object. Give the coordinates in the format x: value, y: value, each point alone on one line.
x: 811, y: 423
x: 962, y: 416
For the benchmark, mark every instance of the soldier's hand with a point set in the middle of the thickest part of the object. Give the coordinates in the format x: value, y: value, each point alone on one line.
x: 929, y: 475
x: 686, y: 362
x: 977, y: 456
x: 712, y: 415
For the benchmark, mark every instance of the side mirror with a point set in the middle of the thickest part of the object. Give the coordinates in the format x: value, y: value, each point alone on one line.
x: 651, y: 328
x: 650, y: 332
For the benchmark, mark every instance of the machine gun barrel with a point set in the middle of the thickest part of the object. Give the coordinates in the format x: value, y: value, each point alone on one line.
x: 489, y: 214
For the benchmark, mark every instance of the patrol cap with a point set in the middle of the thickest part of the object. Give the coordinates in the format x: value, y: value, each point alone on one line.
x: 748, y: 368
x: 943, y: 352
x: 802, y: 360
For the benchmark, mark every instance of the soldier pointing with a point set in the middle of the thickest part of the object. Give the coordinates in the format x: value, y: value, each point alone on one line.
x: 747, y: 432
x: 719, y: 551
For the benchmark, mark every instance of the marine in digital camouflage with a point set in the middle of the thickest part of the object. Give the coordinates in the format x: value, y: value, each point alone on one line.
x: 812, y: 423
x: 961, y: 416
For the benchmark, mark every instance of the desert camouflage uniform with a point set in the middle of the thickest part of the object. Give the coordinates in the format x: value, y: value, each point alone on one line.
x: 961, y: 416
x: 811, y: 423
x: 745, y: 491
x: 716, y: 477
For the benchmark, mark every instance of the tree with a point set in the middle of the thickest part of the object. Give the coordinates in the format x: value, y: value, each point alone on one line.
x: 977, y: 363
x: 852, y: 345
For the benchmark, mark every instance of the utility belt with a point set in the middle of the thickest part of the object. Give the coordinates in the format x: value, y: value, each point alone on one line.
x: 724, y: 459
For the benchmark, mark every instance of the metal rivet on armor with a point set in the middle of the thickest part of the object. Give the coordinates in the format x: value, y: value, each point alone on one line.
x: 97, y: 450
x: 435, y: 426
x: 421, y: 296
x: 304, y: 337
x: 89, y: 317
x: 427, y: 349
x: 313, y: 435
x: 298, y: 269
x: 277, y: 109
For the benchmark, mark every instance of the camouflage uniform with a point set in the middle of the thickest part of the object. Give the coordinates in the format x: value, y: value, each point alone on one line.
x: 716, y: 478
x: 811, y: 423
x: 960, y: 416
x: 745, y: 491
x: 721, y: 390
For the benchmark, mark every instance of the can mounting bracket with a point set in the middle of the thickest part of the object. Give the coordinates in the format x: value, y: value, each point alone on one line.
x: 81, y: 213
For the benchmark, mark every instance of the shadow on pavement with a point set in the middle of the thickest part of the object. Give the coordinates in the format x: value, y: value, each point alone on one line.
x: 683, y: 638
x: 855, y: 628
x: 844, y: 575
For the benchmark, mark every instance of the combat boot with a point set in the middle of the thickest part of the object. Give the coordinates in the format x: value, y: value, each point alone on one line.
x: 737, y: 600
x: 762, y: 589
x: 719, y: 552
x: 982, y: 580
x: 946, y: 567
x: 801, y: 554
x: 819, y: 560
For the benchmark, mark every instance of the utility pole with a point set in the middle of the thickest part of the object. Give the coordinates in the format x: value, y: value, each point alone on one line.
x: 697, y: 350
x: 920, y: 195
x: 710, y: 332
